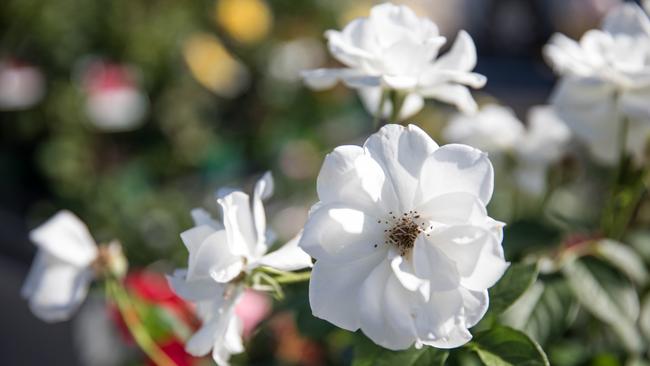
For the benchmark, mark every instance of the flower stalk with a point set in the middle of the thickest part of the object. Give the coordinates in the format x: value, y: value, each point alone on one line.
x: 119, y: 295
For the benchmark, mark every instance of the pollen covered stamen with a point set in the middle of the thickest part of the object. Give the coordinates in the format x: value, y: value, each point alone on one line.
x: 404, y: 231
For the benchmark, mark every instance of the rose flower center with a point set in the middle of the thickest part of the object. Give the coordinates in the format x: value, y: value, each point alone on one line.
x: 403, y: 231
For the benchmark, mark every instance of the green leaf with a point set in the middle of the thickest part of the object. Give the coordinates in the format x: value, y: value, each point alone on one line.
x: 544, y: 311
x: 523, y: 235
x: 623, y: 258
x: 504, y: 346
x: 373, y: 355
x: 607, y: 298
x: 517, y: 279
x: 644, y: 317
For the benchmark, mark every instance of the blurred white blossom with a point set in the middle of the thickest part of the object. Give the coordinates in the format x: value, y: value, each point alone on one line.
x: 114, y: 101
x: 21, y: 85
x: 493, y: 129
x: 497, y: 130
x: 394, y: 49
x: 288, y: 59
x: 61, y: 272
x: 402, y: 254
x: 221, y: 255
x: 545, y: 142
x: 606, y: 81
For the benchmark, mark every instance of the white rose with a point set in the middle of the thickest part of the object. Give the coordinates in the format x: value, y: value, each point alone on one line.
x: 395, y: 49
x: 606, y: 80
x: 497, y: 130
x: 404, y: 248
x: 60, y: 275
x: 221, y: 254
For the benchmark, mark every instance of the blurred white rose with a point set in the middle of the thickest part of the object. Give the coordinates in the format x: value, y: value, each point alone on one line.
x: 394, y: 49
x: 497, y: 130
x: 493, y: 129
x: 402, y: 254
x: 289, y: 58
x: 61, y: 272
x: 21, y: 85
x: 221, y: 255
x: 114, y: 101
x: 606, y: 81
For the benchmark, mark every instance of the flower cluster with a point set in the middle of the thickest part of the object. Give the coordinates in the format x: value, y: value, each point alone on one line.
x: 400, y: 243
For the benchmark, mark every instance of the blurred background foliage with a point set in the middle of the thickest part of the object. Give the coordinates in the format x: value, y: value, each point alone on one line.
x: 220, y: 102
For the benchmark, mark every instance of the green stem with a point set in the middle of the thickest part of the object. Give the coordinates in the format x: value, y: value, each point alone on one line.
x: 286, y: 277
x: 397, y: 100
x: 124, y: 304
x: 379, y: 114
x: 294, y: 277
x: 612, y: 206
x: 623, y: 219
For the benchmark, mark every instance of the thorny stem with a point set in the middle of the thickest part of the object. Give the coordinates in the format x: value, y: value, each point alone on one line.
x: 117, y: 292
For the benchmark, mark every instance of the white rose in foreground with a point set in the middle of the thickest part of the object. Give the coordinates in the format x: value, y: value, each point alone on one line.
x: 497, y: 130
x: 61, y: 273
x: 394, y: 49
x: 403, y: 245
x: 221, y: 255
x: 606, y: 80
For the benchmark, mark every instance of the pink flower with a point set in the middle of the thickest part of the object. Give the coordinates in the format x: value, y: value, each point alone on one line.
x: 253, y: 307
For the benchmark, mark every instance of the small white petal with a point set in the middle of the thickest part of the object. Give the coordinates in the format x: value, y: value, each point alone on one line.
x: 475, y: 304
x: 288, y: 257
x: 634, y: 103
x: 202, y: 341
x: 627, y: 19
x: 405, y: 275
x: 461, y: 57
x: 588, y: 108
x: 438, y: 321
x: 228, y: 272
x: 430, y: 263
x: 373, y: 317
x: 238, y: 221
x: 263, y: 190
x: 475, y: 251
x: 66, y: 237
x: 494, y: 129
x: 457, y: 168
x: 213, y: 258
x: 351, y: 176
x: 55, y: 288
x: 202, y: 217
x: 334, y: 286
x: 453, y: 208
x: 334, y: 231
x: 455, y: 94
x: 321, y: 79
x: 401, y: 151
x: 196, y: 290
